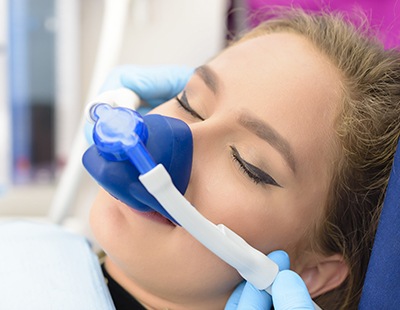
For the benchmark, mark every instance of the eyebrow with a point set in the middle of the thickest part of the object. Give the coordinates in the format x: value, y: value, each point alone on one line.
x: 269, y: 134
x: 255, y: 125
x: 209, y: 77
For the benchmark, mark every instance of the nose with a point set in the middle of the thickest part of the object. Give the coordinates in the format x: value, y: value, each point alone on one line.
x: 208, y: 142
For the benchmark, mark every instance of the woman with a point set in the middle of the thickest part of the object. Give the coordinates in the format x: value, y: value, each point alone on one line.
x: 294, y: 130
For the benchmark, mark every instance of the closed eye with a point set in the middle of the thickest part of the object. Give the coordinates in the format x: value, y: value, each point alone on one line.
x: 254, y: 173
x: 184, y: 103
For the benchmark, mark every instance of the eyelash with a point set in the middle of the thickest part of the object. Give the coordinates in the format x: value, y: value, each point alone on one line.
x: 183, y: 103
x: 267, y: 179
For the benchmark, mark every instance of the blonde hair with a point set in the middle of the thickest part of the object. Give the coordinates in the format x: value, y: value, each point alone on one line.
x: 368, y: 129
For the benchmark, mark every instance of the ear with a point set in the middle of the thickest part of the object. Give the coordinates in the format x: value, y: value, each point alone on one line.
x: 324, y: 274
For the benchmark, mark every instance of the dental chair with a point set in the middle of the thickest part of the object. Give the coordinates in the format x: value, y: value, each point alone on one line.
x: 382, y: 283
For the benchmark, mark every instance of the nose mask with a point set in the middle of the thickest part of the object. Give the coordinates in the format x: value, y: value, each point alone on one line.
x: 122, y: 135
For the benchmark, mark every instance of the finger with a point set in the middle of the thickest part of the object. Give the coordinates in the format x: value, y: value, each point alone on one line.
x: 233, y: 301
x: 281, y: 258
x: 156, y: 85
x: 254, y: 299
x: 290, y: 292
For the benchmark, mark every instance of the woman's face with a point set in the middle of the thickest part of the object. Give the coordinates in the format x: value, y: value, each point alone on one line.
x: 262, y: 117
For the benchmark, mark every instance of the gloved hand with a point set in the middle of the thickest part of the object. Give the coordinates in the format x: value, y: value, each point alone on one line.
x: 153, y: 85
x: 288, y: 291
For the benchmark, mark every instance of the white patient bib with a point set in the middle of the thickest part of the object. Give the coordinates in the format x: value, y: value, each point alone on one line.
x: 44, y: 267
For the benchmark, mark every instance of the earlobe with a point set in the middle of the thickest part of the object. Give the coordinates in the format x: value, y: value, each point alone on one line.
x: 325, y: 274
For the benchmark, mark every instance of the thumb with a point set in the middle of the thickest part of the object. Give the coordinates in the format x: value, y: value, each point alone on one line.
x: 254, y: 299
x: 281, y: 258
x: 234, y: 299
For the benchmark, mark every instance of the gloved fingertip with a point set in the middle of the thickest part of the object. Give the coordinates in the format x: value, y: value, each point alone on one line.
x: 234, y: 299
x: 253, y: 298
x: 292, y: 278
x: 289, y: 291
x: 186, y: 72
x: 281, y: 258
x: 184, y: 76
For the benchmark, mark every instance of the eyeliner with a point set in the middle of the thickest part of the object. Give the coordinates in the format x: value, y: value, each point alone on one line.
x: 254, y: 172
x: 185, y: 104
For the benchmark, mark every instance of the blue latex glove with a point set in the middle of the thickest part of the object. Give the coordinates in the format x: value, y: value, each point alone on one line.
x: 288, y: 291
x: 153, y: 85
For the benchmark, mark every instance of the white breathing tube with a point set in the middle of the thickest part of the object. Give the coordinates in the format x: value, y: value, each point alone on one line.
x: 253, y: 265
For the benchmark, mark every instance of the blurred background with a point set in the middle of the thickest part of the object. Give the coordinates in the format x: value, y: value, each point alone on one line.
x: 50, y: 64
x: 54, y: 54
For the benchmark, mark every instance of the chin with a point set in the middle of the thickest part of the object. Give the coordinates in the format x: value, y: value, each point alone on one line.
x: 137, y: 243
x: 123, y: 232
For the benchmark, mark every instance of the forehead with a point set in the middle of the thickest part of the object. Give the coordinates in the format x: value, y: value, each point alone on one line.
x: 285, y: 80
x: 288, y: 59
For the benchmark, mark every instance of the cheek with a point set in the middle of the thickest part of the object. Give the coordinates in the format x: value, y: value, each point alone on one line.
x: 108, y: 220
x: 264, y: 218
x: 105, y: 221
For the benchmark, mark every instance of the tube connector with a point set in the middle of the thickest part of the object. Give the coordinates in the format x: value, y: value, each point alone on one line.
x: 120, y: 134
x: 121, y: 97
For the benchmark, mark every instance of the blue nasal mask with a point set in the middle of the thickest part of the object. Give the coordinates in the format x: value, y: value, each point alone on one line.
x: 127, y: 145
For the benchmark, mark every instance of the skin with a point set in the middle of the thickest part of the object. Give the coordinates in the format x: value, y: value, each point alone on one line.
x: 281, y: 80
